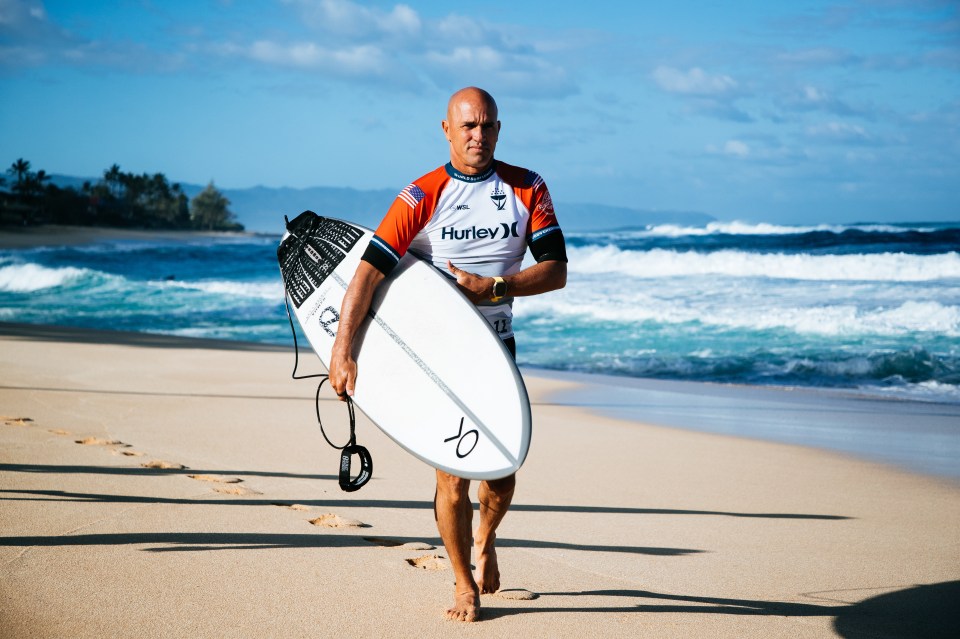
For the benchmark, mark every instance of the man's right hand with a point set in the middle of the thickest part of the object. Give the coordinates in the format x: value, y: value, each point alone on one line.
x: 343, y: 373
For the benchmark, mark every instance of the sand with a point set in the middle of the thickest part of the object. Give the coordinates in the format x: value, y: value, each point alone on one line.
x: 20, y: 237
x: 165, y: 487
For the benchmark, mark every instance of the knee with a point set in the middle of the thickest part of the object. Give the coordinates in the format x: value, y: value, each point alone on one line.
x: 452, y: 488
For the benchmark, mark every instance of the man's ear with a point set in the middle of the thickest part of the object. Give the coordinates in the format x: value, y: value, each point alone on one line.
x: 446, y: 129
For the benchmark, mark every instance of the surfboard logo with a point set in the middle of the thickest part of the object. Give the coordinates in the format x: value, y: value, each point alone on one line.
x: 327, y: 317
x: 499, y: 197
x: 462, y: 437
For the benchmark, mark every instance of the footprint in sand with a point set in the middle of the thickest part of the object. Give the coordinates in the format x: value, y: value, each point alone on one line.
x: 516, y: 594
x: 16, y: 421
x: 129, y: 453
x: 60, y: 431
x: 299, y: 507
x: 163, y: 465
x: 330, y: 520
x: 220, y: 479
x: 226, y: 489
x: 430, y: 562
x: 396, y: 543
x: 96, y: 441
x: 236, y: 490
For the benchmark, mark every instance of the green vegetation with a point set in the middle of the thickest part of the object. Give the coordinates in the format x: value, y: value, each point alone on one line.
x: 119, y: 200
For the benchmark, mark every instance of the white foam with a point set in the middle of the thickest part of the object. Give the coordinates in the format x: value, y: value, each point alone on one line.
x: 833, y: 314
x: 922, y: 391
x: 747, y: 228
x: 272, y: 290
x: 28, y: 278
x: 888, y: 267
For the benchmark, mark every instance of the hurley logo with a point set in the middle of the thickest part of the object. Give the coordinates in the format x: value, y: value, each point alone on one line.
x: 499, y: 197
x: 479, y: 233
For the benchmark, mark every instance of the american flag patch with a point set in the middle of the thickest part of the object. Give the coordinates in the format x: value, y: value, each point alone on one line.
x: 412, y: 195
x: 532, y: 179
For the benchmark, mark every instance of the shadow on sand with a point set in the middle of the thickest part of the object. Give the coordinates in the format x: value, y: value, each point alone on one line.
x: 61, y: 495
x: 926, y: 611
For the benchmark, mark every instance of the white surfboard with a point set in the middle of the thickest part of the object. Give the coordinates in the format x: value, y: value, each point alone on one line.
x: 432, y: 373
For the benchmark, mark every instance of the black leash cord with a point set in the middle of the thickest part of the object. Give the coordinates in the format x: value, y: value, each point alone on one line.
x: 351, y: 447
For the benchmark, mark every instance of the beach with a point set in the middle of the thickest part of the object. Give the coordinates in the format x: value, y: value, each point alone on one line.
x: 20, y: 237
x: 162, y: 486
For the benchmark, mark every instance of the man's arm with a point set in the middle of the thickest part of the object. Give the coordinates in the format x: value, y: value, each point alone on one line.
x: 542, y: 277
x: 356, y: 303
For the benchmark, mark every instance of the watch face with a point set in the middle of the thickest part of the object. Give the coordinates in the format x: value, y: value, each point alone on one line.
x: 499, y: 289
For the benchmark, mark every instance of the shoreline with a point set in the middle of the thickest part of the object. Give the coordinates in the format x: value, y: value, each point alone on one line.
x: 27, y: 237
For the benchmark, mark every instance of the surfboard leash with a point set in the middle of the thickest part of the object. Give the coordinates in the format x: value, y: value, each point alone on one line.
x: 351, y: 448
x: 348, y: 450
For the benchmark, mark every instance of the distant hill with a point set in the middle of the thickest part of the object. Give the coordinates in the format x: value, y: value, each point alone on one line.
x: 261, y: 209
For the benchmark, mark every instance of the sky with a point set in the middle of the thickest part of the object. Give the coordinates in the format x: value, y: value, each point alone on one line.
x: 795, y: 112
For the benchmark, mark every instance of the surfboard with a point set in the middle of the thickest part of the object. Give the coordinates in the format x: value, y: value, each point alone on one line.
x: 432, y: 373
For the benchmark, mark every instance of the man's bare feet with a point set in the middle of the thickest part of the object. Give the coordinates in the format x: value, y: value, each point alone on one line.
x: 466, y: 606
x: 488, y: 572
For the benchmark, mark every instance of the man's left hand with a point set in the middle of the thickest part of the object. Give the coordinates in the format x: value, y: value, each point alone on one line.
x: 476, y: 288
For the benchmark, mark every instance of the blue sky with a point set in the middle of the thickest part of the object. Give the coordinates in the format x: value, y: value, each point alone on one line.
x: 758, y: 111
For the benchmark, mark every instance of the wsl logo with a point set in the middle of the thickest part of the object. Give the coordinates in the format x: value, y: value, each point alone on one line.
x: 481, y: 233
x: 499, y: 197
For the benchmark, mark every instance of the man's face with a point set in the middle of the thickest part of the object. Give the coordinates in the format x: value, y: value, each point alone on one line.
x: 471, y: 129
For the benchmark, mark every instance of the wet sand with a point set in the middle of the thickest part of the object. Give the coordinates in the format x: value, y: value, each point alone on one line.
x: 21, y: 237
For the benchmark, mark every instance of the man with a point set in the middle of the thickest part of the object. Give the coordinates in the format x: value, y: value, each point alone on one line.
x: 473, y: 217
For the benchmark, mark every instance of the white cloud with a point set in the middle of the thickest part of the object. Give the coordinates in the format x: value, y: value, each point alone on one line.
x: 694, y: 81
x: 351, y: 19
x: 20, y: 13
x: 483, y: 58
x: 731, y: 148
x: 500, y: 70
x: 29, y: 38
x: 812, y: 98
x: 813, y: 94
x: 736, y: 148
x: 348, y: 40
x: 843, y: 132
x: 362, y: 59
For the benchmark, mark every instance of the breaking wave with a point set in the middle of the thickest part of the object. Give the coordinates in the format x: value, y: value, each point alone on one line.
x: 656, y: 263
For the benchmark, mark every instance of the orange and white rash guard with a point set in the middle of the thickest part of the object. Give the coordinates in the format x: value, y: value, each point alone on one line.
x: 482, y: 223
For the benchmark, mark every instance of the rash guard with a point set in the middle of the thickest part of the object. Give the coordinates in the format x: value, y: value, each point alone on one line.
x: 482, y: 223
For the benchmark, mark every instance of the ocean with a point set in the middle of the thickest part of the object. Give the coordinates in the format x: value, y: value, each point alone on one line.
x: 868, y: 308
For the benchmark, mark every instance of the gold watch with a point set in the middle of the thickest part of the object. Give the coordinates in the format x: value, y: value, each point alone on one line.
x: 499, y: 289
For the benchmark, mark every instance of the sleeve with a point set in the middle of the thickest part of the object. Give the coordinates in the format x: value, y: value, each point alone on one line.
x: 545, y: 238
x: 405, y: 218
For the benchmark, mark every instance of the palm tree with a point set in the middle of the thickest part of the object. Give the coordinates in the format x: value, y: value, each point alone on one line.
x: 114, y: 179
x: 33, y: 184
x: 21, y: 169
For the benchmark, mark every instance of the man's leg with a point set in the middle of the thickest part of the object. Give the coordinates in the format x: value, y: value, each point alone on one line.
x: 495, y: 497
x: 454, y: 514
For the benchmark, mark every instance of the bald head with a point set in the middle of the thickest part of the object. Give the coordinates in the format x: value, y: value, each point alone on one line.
x: 472, y: 129
x: 472, y: 95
